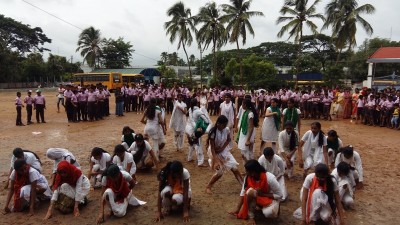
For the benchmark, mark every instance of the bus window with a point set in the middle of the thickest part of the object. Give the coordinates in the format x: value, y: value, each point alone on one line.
x: 116, y: 78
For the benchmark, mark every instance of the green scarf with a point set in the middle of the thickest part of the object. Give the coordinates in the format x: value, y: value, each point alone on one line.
x: 291, y: 114
x: 243, y: 125
x: 277, y: 118
x: 201, y: 124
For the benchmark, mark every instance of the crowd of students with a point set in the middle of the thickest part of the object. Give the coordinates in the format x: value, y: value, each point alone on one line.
x: 332, y: 171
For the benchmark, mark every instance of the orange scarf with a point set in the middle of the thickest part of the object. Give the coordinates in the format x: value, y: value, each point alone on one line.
x: 176, y: 185
x: 120, y: 187
x: 314, y: 185
x: 262, y: 185
x: 19, y: 182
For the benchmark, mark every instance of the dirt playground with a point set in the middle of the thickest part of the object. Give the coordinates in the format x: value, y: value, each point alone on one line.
x: 378, y: 203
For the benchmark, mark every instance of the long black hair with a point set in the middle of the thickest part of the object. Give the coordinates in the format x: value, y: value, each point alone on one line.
x: 172, y: 167
x: 250, y: 106
x: 193, y: 103
x: 322, y: 171
x: 18, y: 153
x: 253, y: 166
x: 118, y: 149
x: 220, y: 120
x: 97, y: 151
x: 293, y: 141
x: 151, y: 109
x: 321, y: 134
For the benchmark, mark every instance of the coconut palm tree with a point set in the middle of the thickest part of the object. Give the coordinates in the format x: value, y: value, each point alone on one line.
x: 164, y: 57
x: 343, y: 17
x: 89, y: 44
x: 180, y: 27
x: 212, y: 30
x: 237, y: 15
x: 298, y: 16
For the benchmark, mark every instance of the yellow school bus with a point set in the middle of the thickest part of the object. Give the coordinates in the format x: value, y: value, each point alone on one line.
x: 133, y: 78
x: 111, y: 80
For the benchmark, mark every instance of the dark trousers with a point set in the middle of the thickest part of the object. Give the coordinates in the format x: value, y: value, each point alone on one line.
x: 75, y: 112
x: 39, y: 112
x: 140, y: 104
x: 19, y: 116
x: 170, y: 105
x: 28, y: 113
x: 106, y: 107
x: 127, y: 101
x: 240, y: 102
x: 82, y: 111
x: 70, y: 110
x: 99, y: 110
x: 134, y: 102
x: 91, y: 110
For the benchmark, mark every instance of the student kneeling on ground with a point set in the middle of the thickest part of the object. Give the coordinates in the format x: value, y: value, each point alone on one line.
x: 174, y: 190
x: 260, y: 189
x: 117, y: 192
x: 26, y: 184
x: 70, y: 190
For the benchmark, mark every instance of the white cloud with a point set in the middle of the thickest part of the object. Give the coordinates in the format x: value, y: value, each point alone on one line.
x: 142, y: 22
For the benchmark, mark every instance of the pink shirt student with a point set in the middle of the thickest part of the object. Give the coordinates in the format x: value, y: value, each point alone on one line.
x: 388, y: 104
x: 92, y: 97
x: 146, y: 97
x: 268, y: 98
x: 68, y: 94
x: 74, y: 99
x: 215, y: 97
x: 39, y: 100
x: 82, y: 96
x: 360, y: 103
x: 18, y: 101
x: 326, y: 100
x: 261, y: 97
x: 28, y: 100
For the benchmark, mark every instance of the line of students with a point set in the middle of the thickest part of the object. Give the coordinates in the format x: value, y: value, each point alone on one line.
x: 37, y: 103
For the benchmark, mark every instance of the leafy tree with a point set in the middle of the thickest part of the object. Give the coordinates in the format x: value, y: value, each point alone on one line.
x: 280, y: 53
x: 306, y: 63
x: 168, y: 75
x: 212, y: 30
x: 333, y: 76
x: 89, y: 44
x: 343, y: 17
x: 320, y: 47
x: 180, y: 27
x: 299, y: 15
x: 21, y: 37
x: 116, y: 53
x: 237, y: 15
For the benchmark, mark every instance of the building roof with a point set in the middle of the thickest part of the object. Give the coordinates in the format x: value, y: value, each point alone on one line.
x: 385, y: 55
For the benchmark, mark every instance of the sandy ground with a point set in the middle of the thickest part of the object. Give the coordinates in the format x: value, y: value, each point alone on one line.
x: 378, y: 203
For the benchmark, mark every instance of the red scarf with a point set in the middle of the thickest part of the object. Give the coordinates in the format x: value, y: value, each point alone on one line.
x: 19, y: 182
x: 119, y: 186
x: 314, y: 185
x: 262, y: 185
x: 176, y: 184
x: 71, y: 178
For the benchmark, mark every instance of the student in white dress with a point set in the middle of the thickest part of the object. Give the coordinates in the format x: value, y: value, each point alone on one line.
x: 178, y: 122
x: 143, y: 154
x: 128, y: 137
x: 312, y: 148
x: 291, y: 113
x: 228, y: 109
x: 352, y: 157
x: 320, y: 200
x: 117, y: 193
x: 346, y: 183
x: 220, y: 158
x: 333, y: 145
x: 163, y: 125
x: 288, y: 142
x: 69, y: 190
x: 124, y: 160
x: 27, y: 185
x: 99, y: 161
x: 152, y: 119
x: 174, y: 190
x: 247, y: 132
x: 260, y: 190
x: 194, y: 136
x: 274, y: 164
x: 271, y: 125
x: 58, y: 155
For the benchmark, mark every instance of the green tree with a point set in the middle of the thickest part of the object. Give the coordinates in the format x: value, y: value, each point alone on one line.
x: 237, y: 15
x: 180, y: 27
x: 342, y: 16
x: 320, y: 47
x: 21, y: 37
x: 306, y: 63
x: 168, y: 75
x: 116, y: 53
x: 299, y: 15
x: 89, y: 44
x: 280, y: 53
x: 212, y: 30
x: 333, y: 76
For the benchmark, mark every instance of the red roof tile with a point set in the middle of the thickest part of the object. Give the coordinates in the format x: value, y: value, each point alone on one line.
x: 385, y: 55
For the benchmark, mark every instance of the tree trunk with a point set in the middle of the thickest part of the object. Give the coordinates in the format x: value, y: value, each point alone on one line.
x: 240, y: 61
x: 187, y: 57
x: 338, y: 56
x: 214, y: 60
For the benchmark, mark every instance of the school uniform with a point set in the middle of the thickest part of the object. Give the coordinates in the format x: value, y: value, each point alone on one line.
x: 284, y: 147
x: 141, y: 156
x: 313, y: 153
x: 247, y: 151
x: 30, y: 159
x: 277, y: 168
x: 29, y: 107
x: 82, y: 106
x: 178, y: 124
x: 18, y: 106
x: 123, y: 164
x: 40, y: 105
x: 346, y: 194
x: 91, y: 105
x: 106, y: 102
x: 354, y: 162
x: 68, y: 104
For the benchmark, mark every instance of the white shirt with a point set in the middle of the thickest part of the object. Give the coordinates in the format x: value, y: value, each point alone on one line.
x: 30, y: 159
x: 134, y: 149
x: 276, y: 166
x: 308, y: 181
x: 284, y: 141
x: 34, y: 175
x: 128, y: 158
x: 273, y: 187
x: 228, y: 110
x: 105, y: 158
x: 355, y: 162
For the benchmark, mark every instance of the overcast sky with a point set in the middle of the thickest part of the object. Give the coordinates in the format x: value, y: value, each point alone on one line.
x: 141, y: 22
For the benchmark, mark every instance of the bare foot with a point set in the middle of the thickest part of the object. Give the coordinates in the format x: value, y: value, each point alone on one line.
x: 208, y: 190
